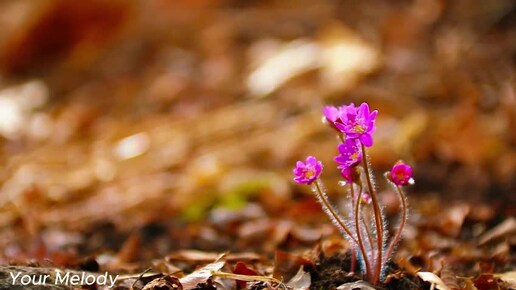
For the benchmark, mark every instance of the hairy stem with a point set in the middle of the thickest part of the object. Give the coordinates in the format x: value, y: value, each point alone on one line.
x: 359, y: 236
x: 378, y: 218
x: 329, y: 209
x: 354, y: 246
x: 367, y: 228
x: 397, y: 236
x: 353, y: 258
x: 368, y: 232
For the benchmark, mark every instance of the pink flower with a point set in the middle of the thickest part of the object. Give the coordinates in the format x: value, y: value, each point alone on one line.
x: 358, y: 123
x: 308, y: 172
x: 347, y: 173
x: 333, y: 114
x: 401, y: 174
x: 350, y: 154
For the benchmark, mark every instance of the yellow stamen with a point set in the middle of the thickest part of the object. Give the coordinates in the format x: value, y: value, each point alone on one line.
x: 309, y: 173
x: 359, y: 129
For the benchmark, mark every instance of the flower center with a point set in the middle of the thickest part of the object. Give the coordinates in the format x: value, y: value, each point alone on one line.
x: 360, y: 129
x: 400, y: 175
x: 309, y: 173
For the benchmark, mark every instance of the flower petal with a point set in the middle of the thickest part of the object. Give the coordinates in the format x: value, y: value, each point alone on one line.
x: 340, y: 126
x: 364, y: 109
x: 331, y: 113
x: 367, y: 140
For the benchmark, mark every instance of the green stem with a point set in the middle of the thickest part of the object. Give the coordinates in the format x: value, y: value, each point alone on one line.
x: 359, y: 236
x: 330, y: 208
x: 378, y: 218
x: 395, y: 240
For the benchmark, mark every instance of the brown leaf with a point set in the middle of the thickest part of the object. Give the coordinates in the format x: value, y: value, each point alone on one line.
x: 502, y: 252
x: 164, y: 283
x: 486, y: 282
x: 469, y: 285
x: 450, y: 222
x: 243, y: 269
x: 406, y: 264
x: 129, y: 249
x: 449, y: 278
x: 287, y: 265
x: 301, y: 281
x: 506, y: 228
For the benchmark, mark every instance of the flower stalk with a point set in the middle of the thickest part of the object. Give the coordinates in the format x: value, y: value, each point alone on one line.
x: 378, y: 219
x: 361, y: 243
x: 403, y: 220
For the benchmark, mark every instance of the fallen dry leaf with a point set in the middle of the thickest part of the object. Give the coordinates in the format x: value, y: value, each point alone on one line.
x: 505, y: 229
x: 287, y: 265
x: 164, y: 283
x: 242, y: 269
x: 200, y: 275
x: 486, y: 282
x: 508, y: 278
x: 301, y: 281
x: 433, y: 279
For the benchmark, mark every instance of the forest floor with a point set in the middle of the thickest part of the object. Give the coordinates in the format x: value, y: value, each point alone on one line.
x: 154, y: 141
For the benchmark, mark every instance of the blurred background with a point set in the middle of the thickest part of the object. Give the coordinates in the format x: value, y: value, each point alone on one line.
x: 117, y: 114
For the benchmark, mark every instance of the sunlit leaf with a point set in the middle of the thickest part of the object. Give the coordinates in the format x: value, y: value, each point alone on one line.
x: 201, y: 275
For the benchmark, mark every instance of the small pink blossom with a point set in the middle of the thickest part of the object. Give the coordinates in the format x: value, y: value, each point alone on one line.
x: 307, y: 172
x: 333, y: 114
x: 350, y: 154
x: 401, y: 174
x: 358, y: 123
x: 347, y: 173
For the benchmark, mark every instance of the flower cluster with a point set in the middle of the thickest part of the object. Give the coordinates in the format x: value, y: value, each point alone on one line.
x: 355, y: 123
x: 364, y: 225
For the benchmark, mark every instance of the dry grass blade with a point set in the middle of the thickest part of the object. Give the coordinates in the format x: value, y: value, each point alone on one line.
x: 506, y: 228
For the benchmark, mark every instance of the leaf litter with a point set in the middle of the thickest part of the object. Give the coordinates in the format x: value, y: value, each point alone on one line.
x: 162, y: 142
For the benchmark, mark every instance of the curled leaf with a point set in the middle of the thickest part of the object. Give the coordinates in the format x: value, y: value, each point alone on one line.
x: 508, y: 278
x: 506, y: 228
x: 201, y: 275
x: 433, y: 279
x: 301, y: 281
